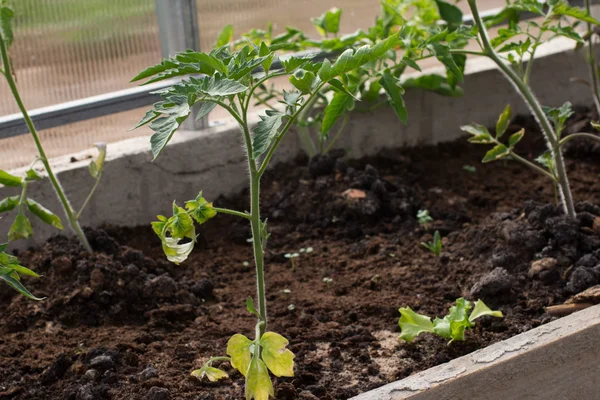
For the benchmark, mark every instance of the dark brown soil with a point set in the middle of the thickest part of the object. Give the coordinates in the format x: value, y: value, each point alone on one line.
x: 123, y: 323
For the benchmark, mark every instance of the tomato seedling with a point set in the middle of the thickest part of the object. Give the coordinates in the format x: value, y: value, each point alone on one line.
x: 228, y: 77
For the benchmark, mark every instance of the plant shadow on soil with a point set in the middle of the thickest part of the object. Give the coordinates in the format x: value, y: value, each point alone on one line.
x: 124, y: 323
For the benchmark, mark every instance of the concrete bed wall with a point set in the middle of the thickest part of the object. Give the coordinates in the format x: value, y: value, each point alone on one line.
x: 134, y: 189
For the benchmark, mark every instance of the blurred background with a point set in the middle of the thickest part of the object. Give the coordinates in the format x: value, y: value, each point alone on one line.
x: 69, y: 50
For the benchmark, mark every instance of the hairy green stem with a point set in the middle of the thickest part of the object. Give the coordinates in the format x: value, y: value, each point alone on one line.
x: 339, y: 133
x: 592, y: 61
x: 580, y: 135
x: 8, y: 73
x: 232, y: 212
x: 536, y: 109
x: 89, y: 196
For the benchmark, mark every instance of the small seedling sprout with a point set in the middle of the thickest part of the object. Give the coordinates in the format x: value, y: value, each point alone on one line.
x: 424, y: 218
x: 434, y: 246
x: 452, y: 326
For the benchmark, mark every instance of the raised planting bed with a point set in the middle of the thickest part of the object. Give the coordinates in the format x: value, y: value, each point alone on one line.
x: 125, y: 323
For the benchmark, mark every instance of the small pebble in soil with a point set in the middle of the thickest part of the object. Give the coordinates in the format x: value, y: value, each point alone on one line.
x: 102, y: 363
x: 148, y: 373
x: 496, y: 283
x: 158, y: 393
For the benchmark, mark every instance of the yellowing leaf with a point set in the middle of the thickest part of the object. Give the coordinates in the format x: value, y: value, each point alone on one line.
x: 275, y: 355
x: 481, y: 309
x: 413, y: 324
x: 213, y: 374
x: 238, y: 348
x: 200, y: 209
x: 258, y: 381
x: 175, y: 252
x: 503, y: 121
x: 20, y: 229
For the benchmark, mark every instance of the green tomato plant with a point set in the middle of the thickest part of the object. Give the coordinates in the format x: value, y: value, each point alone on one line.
x: 509, y: 50
x: 452, y: 326
x: 22, y: 226
x: 228, y: 77
x: 429, y: 28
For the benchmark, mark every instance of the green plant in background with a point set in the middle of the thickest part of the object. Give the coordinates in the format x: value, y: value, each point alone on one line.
x: 428, y: 29
x: 10, y: 270
x: 508, y: 50
x: 452, y: 326
x: 424, y: 218
x: 22, y: 227
x: 434, y: 246
x: 228, y: 77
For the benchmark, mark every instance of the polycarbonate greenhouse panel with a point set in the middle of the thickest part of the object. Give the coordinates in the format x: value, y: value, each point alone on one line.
x: 67, y: 50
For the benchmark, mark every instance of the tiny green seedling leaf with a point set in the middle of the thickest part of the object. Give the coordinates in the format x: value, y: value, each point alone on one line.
x: 452, y: 326
x: 276, y: 356
x: 436, y: 245
x: 413, y: 324
x: 481, y: 309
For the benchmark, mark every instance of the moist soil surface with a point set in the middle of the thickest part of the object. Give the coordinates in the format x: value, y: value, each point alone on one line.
x: 123, y: 323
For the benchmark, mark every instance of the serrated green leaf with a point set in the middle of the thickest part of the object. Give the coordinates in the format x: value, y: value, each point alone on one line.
x: 442, y: 53
x: 9, y: 203
x: 303, y: 80
x: 350, y: 60
x: 329, y: 22
x: 20, y: 229
x: 265, y: 51
x: 181, y: 224
x: 146, y: 119
x: 186, y: 63
x: 503, y: 121
x: 164, y: 128
x: 200, y: 209
x: 276, y: 356
x: 394, y: 90
x: 339, y: 86
x: 339, y: 104
x: 258, y: 381
x: 6, y: 16
x: 481, y: 309
x: 213, y: 374
x: 7, y: 179
x: 265, y: 131
x: 43, y: 213
x: 564, y: 9
x: 434, y: 83
x: 221, y: 87
x: 225, y: 36
x: 292, y: 63
x: 239, y: 349
x: 515, y: 138
x: 413, y: 324
x: 449, y: 12
x: 498, y: 152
